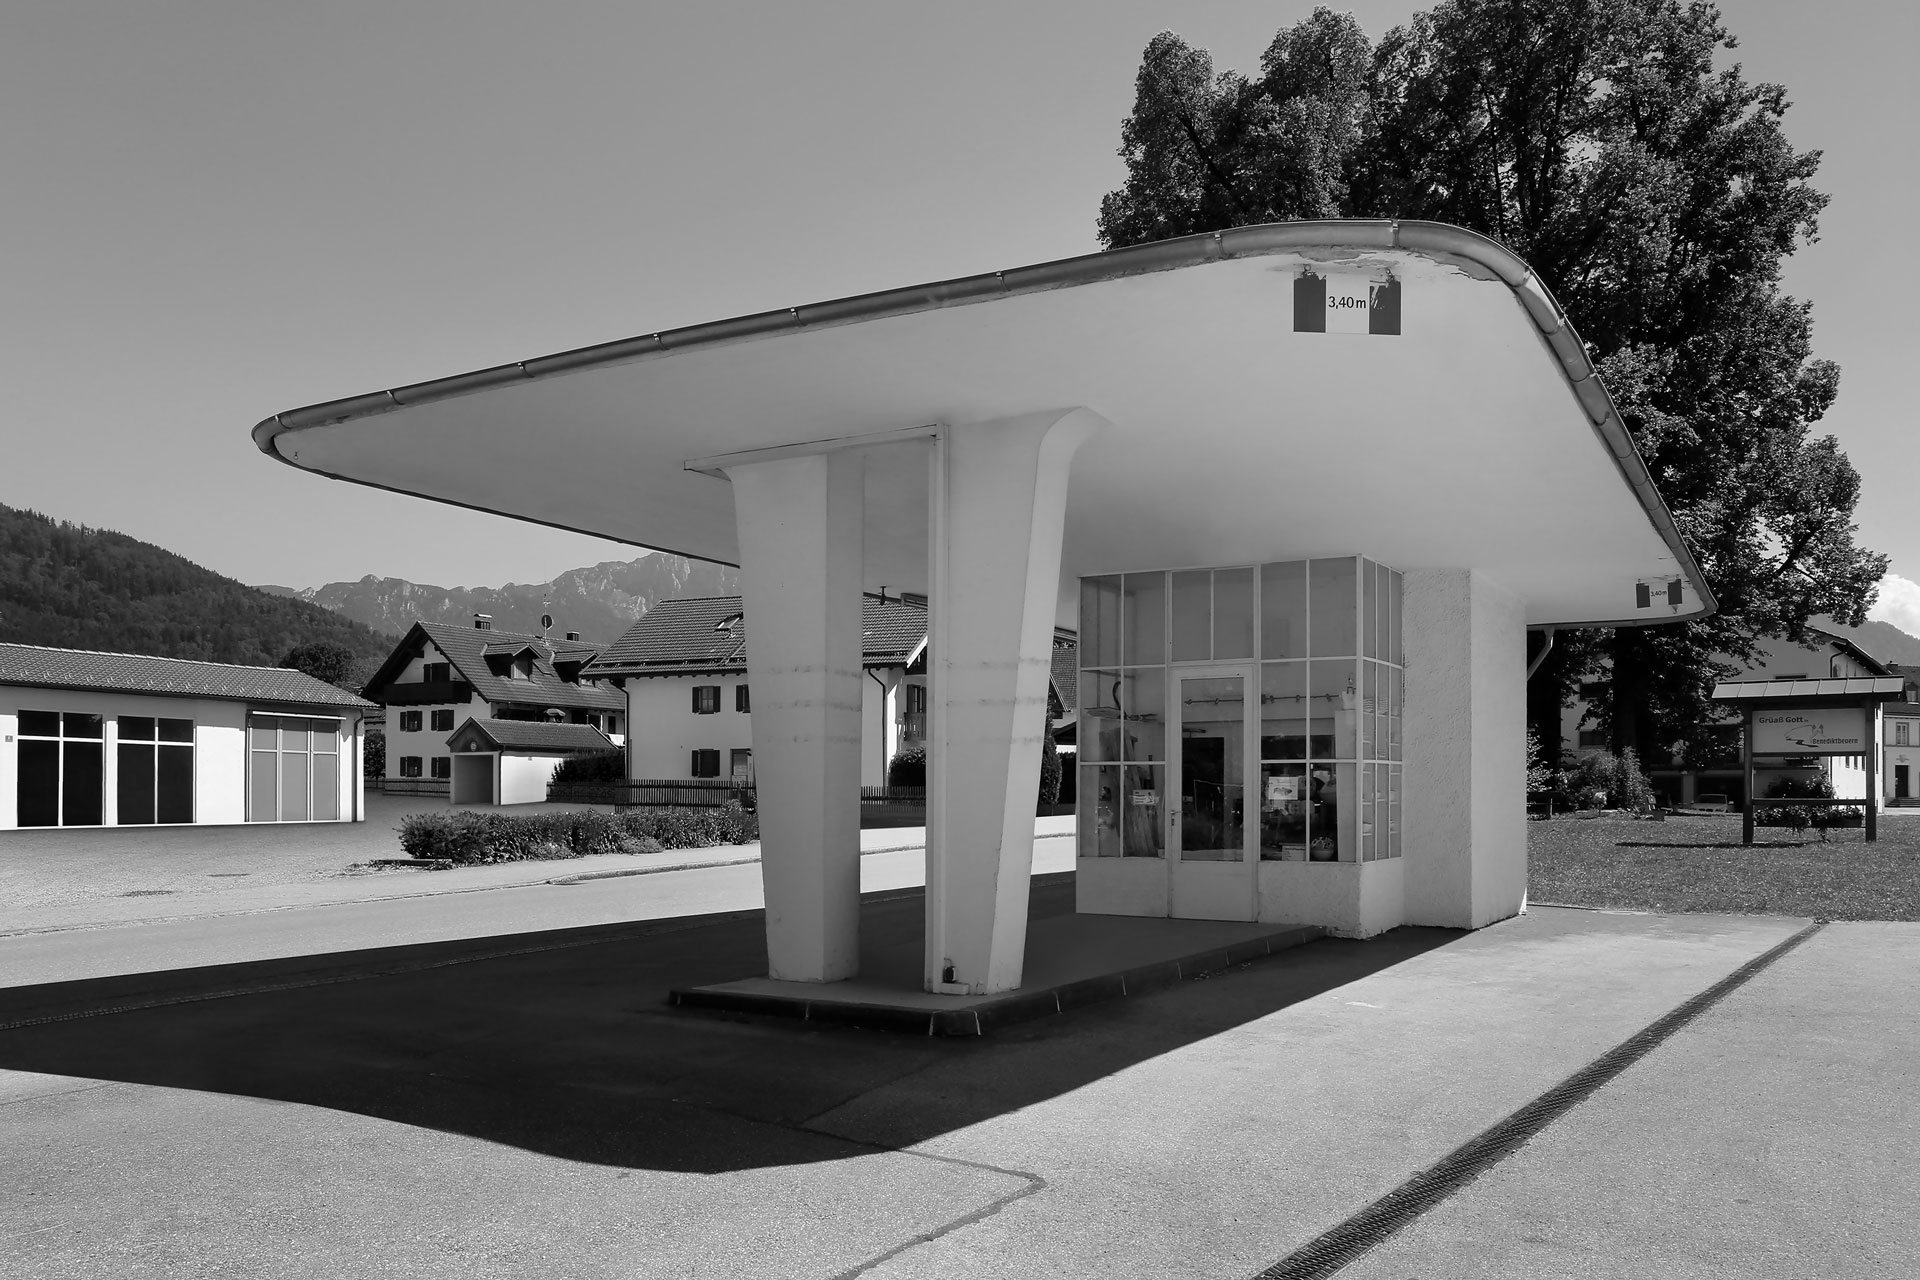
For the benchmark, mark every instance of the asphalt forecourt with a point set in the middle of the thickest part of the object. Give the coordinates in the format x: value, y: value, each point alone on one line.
x: 544, y: 1111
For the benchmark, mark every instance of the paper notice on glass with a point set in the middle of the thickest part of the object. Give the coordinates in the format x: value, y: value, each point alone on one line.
x: 1281, y: 790
x: 1144, y: 797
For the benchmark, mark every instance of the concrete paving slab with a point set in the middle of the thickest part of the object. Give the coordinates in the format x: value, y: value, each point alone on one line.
x: 172, y: 1182
x: 1227, y: 1151
x: 1778, y: 1136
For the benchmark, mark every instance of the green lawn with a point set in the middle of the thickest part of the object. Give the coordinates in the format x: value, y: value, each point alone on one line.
x: 1699, y: 864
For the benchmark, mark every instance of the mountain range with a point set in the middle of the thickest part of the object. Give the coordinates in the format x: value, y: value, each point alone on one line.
x: 599, y: 601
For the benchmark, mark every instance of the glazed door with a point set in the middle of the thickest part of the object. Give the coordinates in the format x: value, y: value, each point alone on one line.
x: 1211, y: 757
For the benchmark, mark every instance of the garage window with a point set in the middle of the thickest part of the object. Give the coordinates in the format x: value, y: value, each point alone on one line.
x: 62, y: 774
x: 155, y: 756
x: 293, y: 769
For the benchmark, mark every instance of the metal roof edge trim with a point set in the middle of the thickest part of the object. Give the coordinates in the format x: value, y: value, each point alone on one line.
x: 1430, y: 239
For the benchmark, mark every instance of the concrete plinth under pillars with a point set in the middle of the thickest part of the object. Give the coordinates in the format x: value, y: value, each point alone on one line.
x: 800, y: 522
x: 997, y: 513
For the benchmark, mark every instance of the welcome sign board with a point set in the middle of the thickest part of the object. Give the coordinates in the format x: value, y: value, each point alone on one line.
x: 1832, y: 731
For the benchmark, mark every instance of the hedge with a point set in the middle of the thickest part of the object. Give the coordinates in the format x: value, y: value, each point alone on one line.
x: 472, y: 837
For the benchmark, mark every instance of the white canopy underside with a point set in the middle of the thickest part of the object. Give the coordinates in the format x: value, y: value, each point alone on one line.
x: 1233, y: 439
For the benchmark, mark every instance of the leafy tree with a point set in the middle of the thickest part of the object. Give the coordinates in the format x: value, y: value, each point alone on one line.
x: 1657, y: 196
x: 373, y: 754
x: 1050, y: 768
x: 324, y: 660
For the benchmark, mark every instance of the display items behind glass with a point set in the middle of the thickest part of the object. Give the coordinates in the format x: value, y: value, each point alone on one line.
x: 1330, y: 690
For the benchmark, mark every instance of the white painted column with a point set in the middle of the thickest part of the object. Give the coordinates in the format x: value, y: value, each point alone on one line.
x: 998, y: 508
x: 1464, y: 820
x: 799, y: 521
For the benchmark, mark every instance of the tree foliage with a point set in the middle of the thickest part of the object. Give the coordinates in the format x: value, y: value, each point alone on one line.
x: 1658, y: 197
x: 72, y: 587
x: 325, y: 660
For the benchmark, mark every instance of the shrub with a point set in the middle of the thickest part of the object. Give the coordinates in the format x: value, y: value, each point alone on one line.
x: 373, y: 754
x: 1821, y: 817
x: 1603, y: 780
x: 598, y: 766
x: 908, y: 768
x: 473, y: 837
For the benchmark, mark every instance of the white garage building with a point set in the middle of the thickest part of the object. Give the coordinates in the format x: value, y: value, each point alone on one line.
x: 118, y: 739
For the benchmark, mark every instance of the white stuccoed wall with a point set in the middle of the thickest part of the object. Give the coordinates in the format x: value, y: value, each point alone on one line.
x: 1464, y: 813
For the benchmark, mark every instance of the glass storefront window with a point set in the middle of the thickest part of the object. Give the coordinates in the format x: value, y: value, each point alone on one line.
x: 1330, y: 687
x: 1143, y: 801
x: 1283, y: 610
x: 1331, y: 604
x: 1143, y: 706
x: 1193, y: 616
x: 1233, y: 614
x: 1100, y: 622
x: 1099, y: 715
x: 1144, y: 616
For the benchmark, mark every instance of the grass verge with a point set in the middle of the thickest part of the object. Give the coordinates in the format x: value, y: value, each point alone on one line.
x: 1699, y: 864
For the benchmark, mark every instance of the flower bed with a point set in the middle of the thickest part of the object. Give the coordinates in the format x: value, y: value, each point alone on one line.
x: 468, y: 837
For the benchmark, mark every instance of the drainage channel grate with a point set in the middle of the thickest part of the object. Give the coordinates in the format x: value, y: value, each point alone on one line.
x: 1334, y: 1249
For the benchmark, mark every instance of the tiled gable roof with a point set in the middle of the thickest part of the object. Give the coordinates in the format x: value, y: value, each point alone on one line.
x: 1066, y: 676
x: 708, y: 634
x: 23, y: 664
x: 535, y: 735
x: 467, y: 649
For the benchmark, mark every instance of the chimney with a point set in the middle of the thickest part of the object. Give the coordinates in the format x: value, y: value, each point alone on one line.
x: 483, y: 622
x: 573, y: 635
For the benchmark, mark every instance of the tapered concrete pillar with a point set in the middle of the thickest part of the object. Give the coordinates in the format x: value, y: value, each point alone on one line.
x: 998, y: 506
x: 799, y: 522
x: 1465, y: 809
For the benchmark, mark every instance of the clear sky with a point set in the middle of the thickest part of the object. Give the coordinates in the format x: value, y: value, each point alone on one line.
x: 217, y: 210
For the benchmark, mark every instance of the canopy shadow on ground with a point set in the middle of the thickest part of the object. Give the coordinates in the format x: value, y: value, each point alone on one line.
x: 570, y: 1049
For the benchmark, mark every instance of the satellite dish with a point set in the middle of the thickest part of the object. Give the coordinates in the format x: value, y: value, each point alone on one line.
x: 546, y: 622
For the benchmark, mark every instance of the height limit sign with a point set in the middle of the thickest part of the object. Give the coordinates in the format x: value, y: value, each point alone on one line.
x: 1345, y: 304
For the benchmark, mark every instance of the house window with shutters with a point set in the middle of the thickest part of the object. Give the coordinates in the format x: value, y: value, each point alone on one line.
x: 437, y: 672
x: 706, y: 700
x: 409, y: 722
x: 706, y: 762
x: 443, y: 766
x: 740, y: 700
x: 409, y: 766
x: 443, y: 721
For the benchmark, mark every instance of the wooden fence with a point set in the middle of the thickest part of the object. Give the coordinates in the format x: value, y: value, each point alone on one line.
x: 693, y: 792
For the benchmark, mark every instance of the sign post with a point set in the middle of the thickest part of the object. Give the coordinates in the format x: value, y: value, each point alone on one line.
x: 1746, y: 766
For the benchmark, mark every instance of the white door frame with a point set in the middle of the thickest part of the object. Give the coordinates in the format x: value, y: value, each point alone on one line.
x: 1212, y: 890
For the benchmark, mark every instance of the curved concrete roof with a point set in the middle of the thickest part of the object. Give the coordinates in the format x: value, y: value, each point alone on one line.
x: 1478, y: 437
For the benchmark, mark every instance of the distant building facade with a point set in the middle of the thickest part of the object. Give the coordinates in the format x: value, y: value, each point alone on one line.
x: 439, y: 676
x: 690, y: 705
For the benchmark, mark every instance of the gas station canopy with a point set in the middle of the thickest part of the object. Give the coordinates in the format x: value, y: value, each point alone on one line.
x: 1467, y: 430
